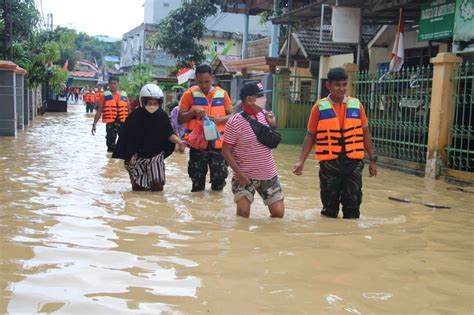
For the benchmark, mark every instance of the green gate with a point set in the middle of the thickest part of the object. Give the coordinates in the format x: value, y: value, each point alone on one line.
x: 397, y: 106
x: 293, y: 99
x: 461, y: 147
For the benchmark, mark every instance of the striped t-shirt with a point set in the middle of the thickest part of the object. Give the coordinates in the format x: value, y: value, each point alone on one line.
x: 253, y: 158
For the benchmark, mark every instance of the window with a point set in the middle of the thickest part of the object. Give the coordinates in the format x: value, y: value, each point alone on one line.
x: 419, y: 56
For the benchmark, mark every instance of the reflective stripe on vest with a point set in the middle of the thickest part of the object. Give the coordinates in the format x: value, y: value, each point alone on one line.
x: 216, y: 109
x: 329, y: 136
x: 111, y: 110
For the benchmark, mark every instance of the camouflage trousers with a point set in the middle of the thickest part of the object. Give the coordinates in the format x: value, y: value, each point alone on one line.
x: 111, y: 132
x: 199, y: 161
x: 341, y: 182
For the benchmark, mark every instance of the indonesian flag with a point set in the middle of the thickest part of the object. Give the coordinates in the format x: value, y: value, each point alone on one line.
x: 184, y: 75
x: 398, y: 51
x: 66, y: 63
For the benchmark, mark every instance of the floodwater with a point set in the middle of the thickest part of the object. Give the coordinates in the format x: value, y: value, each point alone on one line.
x: 75, y: 239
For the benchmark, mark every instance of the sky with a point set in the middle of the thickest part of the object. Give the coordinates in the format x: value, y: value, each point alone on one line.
x: 94, y: 17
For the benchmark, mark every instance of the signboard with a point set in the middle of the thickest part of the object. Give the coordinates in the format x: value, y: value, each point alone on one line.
x: 464, y: 20
x: 345, y: 25
x: 436, y: 20
x: 463, y: 33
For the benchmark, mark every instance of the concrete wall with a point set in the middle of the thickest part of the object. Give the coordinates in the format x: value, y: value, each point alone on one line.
x: 8, y: 116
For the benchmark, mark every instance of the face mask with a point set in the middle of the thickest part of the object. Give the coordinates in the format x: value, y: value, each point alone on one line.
x: 261, y: 101
x: 151, y: 109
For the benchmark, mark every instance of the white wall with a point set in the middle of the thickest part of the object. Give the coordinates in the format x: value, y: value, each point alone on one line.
x: 157, y: 10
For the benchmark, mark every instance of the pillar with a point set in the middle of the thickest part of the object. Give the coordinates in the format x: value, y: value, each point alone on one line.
x: 8, y: 114
x: 281, y: 97
x: 440, y: 113
x: 274, y: 45
x: 245, y: 36
x: 31, y: 96
x: 20, y: 88
x: 26, y: 104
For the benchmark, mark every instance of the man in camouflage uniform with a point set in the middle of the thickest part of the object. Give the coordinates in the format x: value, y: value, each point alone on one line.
x: 213, y: 102
x: 338, y: 130
x: 197, y: 168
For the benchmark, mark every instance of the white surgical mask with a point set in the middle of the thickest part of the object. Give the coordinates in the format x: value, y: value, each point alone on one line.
x: 261, y: 101
x: 152, y: 109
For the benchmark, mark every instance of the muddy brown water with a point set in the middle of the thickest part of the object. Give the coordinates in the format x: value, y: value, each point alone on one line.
x: 75, y: 239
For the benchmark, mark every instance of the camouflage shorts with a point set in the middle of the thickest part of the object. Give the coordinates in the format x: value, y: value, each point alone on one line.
x: 269, y: 190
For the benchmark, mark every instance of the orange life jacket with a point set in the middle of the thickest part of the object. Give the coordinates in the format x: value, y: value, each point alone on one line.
x: 111, y: 110
x: 331, y: 140
x: 99, y: 96
x: 216, y: 109
x: 89, y: 97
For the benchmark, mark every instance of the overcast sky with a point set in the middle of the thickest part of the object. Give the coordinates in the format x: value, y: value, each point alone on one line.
x: 95, y: 17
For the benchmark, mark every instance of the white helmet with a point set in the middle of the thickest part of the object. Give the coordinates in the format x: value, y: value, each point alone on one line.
x: 150, y: 91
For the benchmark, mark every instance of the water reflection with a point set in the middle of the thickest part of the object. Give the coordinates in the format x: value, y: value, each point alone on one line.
x: 75, y: 239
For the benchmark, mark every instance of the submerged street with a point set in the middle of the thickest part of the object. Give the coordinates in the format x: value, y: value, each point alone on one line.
x: 75, y: 238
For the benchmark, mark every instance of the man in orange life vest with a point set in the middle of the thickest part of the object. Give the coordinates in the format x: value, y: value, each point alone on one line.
x: 90, y: 99
x: 114, y: 109
x: 99, y: 95
x: 196, y: 102
x: 338, y: 129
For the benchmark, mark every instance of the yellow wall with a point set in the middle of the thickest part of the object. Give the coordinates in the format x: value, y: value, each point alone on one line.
x: 303, y: 72
x: 378, y: 55
x: 326, y: 63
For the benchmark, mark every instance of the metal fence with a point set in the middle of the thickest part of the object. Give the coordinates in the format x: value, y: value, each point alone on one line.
x: 461, y: 146
x: 397, y: 106
x: 293, y: 99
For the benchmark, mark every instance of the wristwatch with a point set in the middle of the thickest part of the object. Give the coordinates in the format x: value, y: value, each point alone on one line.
x: 373, y: 158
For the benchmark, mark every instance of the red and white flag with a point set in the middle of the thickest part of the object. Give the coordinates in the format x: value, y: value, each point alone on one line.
x: 184, y: 75
x: 398, y: 51
x: 66, y: 64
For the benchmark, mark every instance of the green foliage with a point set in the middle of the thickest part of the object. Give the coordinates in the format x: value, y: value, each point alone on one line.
x: 23, y: 20
x: 57, y: 78
x: 181, y: 31
x: 136, y: 78
x: 263, y: 17
x: 82, y: 46
x: 40, y: 68
x: 168, y: 86
x: 36, y: 50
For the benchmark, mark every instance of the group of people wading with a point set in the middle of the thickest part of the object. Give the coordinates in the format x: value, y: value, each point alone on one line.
x: 337, y: 130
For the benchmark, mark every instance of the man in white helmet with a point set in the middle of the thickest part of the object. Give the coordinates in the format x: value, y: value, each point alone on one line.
x: 145, y: 140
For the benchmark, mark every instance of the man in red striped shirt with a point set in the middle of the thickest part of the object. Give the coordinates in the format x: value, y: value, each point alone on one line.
x: 252, y: 162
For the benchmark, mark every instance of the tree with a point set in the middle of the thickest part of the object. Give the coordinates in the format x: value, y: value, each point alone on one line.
x: 18, y: 21
x: 180, y: 32
x: 136, y: 78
